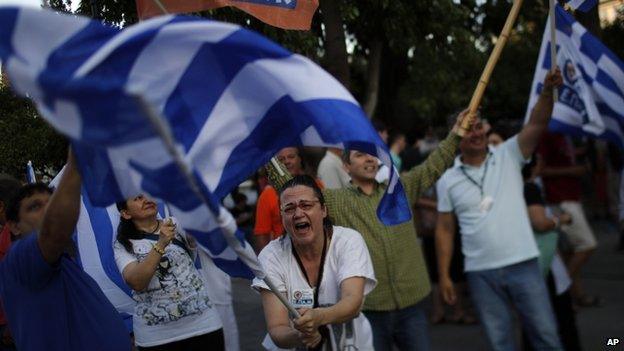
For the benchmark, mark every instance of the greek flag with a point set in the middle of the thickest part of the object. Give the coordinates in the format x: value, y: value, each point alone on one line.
x: 581, y: 5
x: 591, y: 100
x: 226, y: 100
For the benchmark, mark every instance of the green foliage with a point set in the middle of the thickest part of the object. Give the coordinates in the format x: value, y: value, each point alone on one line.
x: 27, y: 137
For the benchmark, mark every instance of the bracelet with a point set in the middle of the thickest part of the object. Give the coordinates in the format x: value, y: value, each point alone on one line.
x: 158, y: 249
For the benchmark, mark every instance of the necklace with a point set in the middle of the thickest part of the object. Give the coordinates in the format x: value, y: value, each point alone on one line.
x: 473, y: 181
x: 157, y: 226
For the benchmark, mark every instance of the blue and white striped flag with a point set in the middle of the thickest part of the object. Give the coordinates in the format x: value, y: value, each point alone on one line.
x: 229, y: 98
x: 591, y: 100
x: 30, y: 173
x: 581, y: 5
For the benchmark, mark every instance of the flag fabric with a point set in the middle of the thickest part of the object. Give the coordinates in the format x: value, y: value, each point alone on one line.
x: 581, y: 5
x: 285, y: 14
x: 229, y: 98
x: 591, y: 100
x: 30, y: 173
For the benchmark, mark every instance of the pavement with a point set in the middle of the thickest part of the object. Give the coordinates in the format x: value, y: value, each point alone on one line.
x: 603, y: 276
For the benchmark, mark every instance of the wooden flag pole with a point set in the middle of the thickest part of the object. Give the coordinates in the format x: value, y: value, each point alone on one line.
x: 553, y: 44
x: 161, y: 7
x: 491, y: 63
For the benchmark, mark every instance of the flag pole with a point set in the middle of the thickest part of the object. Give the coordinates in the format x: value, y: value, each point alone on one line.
x: 553, y: 44
x: 167, y: 138
x: 161, y: 7
x: 491, y: 63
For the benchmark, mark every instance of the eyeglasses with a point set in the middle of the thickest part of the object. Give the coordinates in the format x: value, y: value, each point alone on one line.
x: 304, y: 205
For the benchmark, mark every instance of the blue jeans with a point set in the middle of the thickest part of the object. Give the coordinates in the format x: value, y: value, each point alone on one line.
x: 494, y: 291
x: 407, y: 328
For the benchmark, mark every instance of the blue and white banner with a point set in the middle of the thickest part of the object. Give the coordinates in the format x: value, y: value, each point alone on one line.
x: 591, y: 100
x: 230, y: 98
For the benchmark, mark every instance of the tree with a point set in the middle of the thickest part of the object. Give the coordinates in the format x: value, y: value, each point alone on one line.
x: 26, y: 137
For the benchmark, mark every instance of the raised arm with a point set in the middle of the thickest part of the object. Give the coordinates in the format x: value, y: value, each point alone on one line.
x: 139, y: 274
x: 540, y: 115
x: 61, y: 213
x: 423, y: 176
x: 445, y: 232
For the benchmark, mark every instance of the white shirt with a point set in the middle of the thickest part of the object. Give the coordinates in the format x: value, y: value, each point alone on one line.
x: 175, y: 305
x: 502, y: 235
x: 332, y: 173
x: 347, y: 257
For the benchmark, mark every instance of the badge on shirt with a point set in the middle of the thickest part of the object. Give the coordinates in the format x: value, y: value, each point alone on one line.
x: 302, y: 298
x: 486, y: 204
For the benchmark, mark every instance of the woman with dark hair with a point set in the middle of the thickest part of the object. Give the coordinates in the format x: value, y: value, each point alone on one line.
x: 323, y: 270
x: 173, y: 311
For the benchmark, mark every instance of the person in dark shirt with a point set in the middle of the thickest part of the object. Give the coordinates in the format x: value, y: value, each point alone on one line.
x: 50, y: 302
x: 8, y: 188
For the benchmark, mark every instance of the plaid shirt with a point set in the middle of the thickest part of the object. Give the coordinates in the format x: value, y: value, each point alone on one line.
x: 395, y: 250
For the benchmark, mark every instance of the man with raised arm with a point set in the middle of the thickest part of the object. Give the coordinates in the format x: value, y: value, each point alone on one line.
x: 394, y: 308
x: 484, y: 190
x: 49, y: 301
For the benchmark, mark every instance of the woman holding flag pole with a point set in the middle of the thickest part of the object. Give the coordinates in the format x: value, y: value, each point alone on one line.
x: 173, y: 310
x: 324, y: 271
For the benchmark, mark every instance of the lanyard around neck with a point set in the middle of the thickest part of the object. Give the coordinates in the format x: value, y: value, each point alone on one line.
x: 320, y: 271
x: 482, y: 181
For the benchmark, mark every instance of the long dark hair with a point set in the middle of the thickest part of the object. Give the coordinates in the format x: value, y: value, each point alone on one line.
x: 306, y: 180
x: 126, y: 229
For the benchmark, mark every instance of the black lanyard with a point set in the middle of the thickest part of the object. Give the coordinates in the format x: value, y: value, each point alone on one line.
x: 479, y: 184
x: 323, y: 330
x: 320, y: 271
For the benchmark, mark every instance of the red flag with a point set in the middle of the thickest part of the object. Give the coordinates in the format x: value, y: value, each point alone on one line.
x: 286, y: 14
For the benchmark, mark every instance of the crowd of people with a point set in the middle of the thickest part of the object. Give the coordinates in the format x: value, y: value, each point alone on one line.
x: 487, y: 215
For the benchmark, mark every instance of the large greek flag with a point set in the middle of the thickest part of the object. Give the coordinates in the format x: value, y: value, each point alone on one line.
x: 228, y: 99
x: 591, y: 100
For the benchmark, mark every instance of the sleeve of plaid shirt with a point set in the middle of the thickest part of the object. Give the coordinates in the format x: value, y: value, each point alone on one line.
x: 423, y: 176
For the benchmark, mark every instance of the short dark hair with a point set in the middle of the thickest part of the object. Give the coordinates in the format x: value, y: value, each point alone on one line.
x: 306, y: 180
x: 24, y: 192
